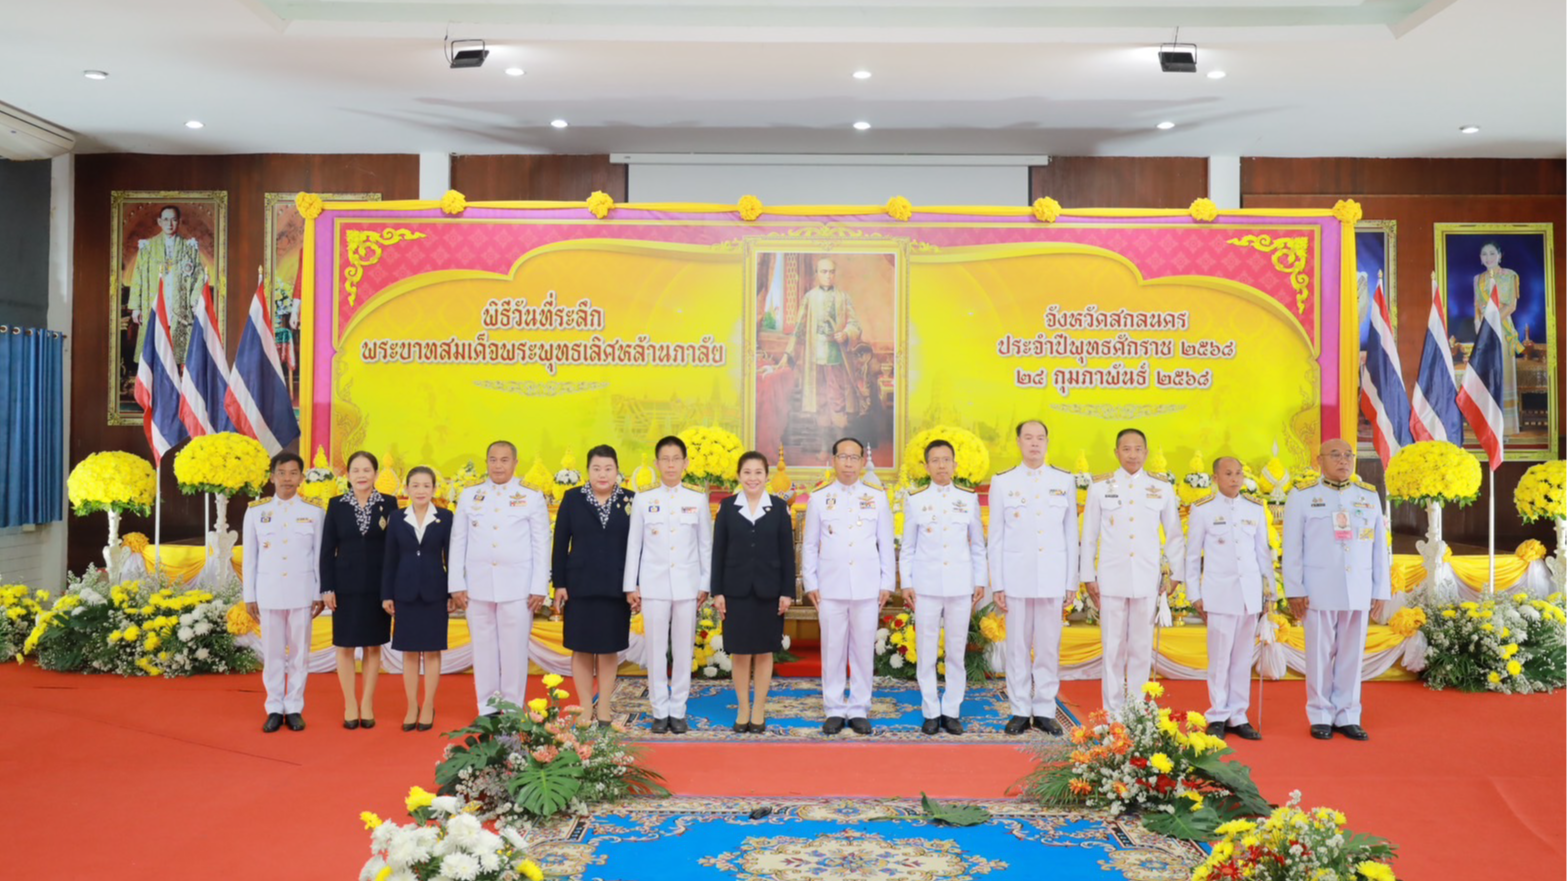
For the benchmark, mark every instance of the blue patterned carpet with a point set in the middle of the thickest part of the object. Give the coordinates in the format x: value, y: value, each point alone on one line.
x: 715, y: 839
x: 794, y: 713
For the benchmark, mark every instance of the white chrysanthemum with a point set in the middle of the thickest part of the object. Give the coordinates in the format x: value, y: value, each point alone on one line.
x: 448, y: 804
x: 786, y: 643
x: 490, y: 860
x: 187, y: 619
x: 373, y: 867
x: 882, y: 633
x: 91, y: 597
x: 202, y: 654
x: 186, y: 634
x: 717, y: 643
x: 710, y: 672
x: 719, y: 657
x: 726, y: 664
x: 897, y: 662
x: 202, y: 628
x: 514, y: 838
x: 404, y: 847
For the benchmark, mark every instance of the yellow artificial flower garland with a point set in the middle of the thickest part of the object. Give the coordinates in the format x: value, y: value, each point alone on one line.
x: 750, y: 208
x: 309, y: 205
x: 112, y: 481
x: 454, y: 203
x: 600, y: 204
x: 899, y: 208
x: 1046, y: 210
x: 1204, y: 210
x: 971, y: 453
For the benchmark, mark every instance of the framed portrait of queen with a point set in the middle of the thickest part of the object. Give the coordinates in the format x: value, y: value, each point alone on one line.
x: 1515, y: 263
x: 173, y: 241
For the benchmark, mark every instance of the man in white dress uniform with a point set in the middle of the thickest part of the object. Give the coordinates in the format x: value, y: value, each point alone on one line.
x: 499, y: 570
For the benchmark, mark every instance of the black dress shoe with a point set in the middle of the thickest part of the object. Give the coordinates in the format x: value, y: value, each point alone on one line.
x: 424, y: 726
x: 757, y: 727
x: 660, y: 726
x: 1322, y: 732
x: 742, y: 727
x: 603, y: 723
x: 677, y: 725
x: 1244, y: 731
x: 952, y: 725
x: 409, y: 726
x: 1047, y: 725
x: 1017, y: 725
x: 833, y: 725
x: 1216, y: 729
x: 296, y: 722
x: 273, y: 723
x: 930, y: 726
x: 1353, y: 732
x: 351, y: 724
x: 860, y: 725
x: 367, y: 723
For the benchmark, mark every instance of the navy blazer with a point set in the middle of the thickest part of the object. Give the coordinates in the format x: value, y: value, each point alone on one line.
x: 350, y: 562
x: 416, y: 570
x: 753, y: 559
x: 590, y: 558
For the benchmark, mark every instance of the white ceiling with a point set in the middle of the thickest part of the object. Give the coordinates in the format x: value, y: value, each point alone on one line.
x: 1062, y: 77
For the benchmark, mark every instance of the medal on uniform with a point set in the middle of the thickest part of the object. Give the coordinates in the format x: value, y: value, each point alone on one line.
x: 1341, y: 530
x: 383, y: 523
x: 479, y: 496
x: 653, y: 508
x: 832, y: 502
x: 267, y: 517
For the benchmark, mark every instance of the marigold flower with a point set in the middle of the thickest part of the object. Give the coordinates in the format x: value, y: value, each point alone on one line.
x: 551, y: 680
x: 418, y: 798
x: 1153, y: 689
x: 530, y: 870
x: 1514, y: 668
x: 371, y: 821
x: 538, y: 705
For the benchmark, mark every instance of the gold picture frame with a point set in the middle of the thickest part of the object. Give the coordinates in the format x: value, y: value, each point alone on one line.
x: 1524, y: 274
x: 193, y: 250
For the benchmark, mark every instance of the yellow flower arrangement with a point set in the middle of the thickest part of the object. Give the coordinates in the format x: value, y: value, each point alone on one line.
x: 135, y: 542
x: 600, y: 204
x: 750, y: 208
x: 1433, y: 472
x: 309, y: 205
x: 713, y: 454
x: 240, y: 622
x: 1531, y: 550
x: 538, y: 476
x: 899, y: 208
x: 418, y: 798
x: 1541, y: 493
x: 973, y: 456
x: 1046, y: 210
x: 225, y: 463
x: 1406, y: 621
x: 1203, y: 210
x: 112, y: 481
x: 1347, y: 211
x: 453, y: 202
x: 994, y: 627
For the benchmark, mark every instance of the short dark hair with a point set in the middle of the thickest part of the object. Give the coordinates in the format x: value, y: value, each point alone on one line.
x: 418, y: 470
x: 850, y: 440
x: 752, y: 456
x: 938, y: 442
x: 502, y: 443
x: 286, y: 457
x: 178, y: 215
x: 1222, y: 458
x: 1126, y: 431
x: 375, y: 464
x: 670, y: 440
x: 603, y: 451
x: 1039, y: 422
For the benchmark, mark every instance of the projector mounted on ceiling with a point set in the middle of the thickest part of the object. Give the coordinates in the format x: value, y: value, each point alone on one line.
x: 466, y: 53
x: 1178, y: 57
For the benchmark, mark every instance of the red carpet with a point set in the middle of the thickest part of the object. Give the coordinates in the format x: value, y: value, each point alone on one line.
x: 134, y: 779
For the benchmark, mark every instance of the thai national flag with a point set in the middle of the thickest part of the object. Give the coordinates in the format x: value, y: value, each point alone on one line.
x: 158, y: 384
x: 1436, y: 390
x: 1478, y: 398
x: 258, y: 400
x: 205, y: 385
x: 1382, y: 396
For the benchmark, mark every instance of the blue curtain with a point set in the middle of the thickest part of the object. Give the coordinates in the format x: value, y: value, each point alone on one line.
x: 32, y: 426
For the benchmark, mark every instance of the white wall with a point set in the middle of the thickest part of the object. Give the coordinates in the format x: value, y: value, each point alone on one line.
x: 830, y: 180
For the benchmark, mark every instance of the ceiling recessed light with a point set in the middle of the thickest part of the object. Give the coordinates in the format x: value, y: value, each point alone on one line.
x: 1469, y: 129
x: 514, y: 71
x: 1217, y: 74
x: 558, y: 123
x: 862, y: 74
x: 862, y: 125
x: 1165, y: 126
x: 194, y: 123
x: 95, y: 74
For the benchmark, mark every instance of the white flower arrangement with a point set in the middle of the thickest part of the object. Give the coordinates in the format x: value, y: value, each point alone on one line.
x: 568, y: 477
x: 446, y: 842
x: 1511, y: 644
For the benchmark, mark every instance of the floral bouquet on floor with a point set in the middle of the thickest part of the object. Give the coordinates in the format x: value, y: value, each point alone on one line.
x: 1511, y: 644
x: 528, y: 763
x: 1296, y: 845
x: 445, y: 841
x: 19, y: 609
x: 1147, y: 761
x: 897, y: 655
x: 139, y: 628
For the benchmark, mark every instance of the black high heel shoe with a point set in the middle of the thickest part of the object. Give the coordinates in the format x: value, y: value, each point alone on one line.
x: 409, y: 726
x: 351, y: 724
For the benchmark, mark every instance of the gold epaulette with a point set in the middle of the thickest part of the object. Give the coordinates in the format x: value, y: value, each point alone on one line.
x: 963, y: 488
x: 1161, y: 478
x: 316, y: 503
x: 1062, y: 470
x: 1361, y: 483
x: 1205, y: 499
x: 1008, y: 471
x: 1255, y: 501
x: 261, y: 501
x: 1307, y: 484
x: 913, y: 493
x: 694, y: 488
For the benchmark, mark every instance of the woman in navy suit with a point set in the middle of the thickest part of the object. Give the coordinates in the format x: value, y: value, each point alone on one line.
x: 753, y: 584
x: 413, y: 590
x: 353, y: 543
x: 591, y: 531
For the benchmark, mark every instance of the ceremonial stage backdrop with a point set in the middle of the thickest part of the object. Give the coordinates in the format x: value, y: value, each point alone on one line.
x: 438, y: 327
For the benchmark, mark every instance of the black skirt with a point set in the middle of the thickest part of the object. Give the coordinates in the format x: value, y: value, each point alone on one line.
x: 752, y: 626
x: 421, y: 626
x: 359, y: 621
x: 596, y: 625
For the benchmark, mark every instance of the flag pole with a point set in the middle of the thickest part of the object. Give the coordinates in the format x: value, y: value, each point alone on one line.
x: 157, y: 520
x: 1490, y: 587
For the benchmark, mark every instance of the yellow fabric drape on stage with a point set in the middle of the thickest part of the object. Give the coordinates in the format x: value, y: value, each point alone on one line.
x: 1473, y: 570
x: 1188, y: 646
x: 184, y: 562
x: 547, y: 632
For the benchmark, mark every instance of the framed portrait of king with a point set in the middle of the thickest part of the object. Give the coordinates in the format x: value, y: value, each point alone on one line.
x: 284, y: 233
x: 1376, y: 266
x: 175, y: 242
x: 1515, y: 263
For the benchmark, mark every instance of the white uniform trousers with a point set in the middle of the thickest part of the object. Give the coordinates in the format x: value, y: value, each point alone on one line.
x: 930, y: 615
x: 1033, y: 647
x: 670, y: 628
x: 848, y: 640
x: 1335, y: 644
x: 285, y: 647
x: 1232, y: 643
x: 501, y: 633
x: 1126, y: 627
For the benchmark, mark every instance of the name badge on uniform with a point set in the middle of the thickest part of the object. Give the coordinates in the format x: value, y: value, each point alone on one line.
x: 1366, y: 534
x: 960, y: 507
x: 302, y: 520
x: 688, y: 510
x: 1248, y: 523
x: 1341, y: 530
x: 519, y: 503
x: 1218, y: 521
x: 1319, y: 503
x: 867, y: 503
x: 1058, y: 492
